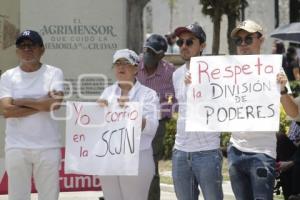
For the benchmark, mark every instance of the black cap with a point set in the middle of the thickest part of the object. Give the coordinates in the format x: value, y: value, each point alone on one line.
x: 157, y: 43
x: 31, y: 35
x: 192, y: 28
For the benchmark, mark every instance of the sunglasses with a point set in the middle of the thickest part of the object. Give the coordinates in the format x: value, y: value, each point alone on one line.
x: 239, y: 40
x: 28, y: 46
x: 188, y: 42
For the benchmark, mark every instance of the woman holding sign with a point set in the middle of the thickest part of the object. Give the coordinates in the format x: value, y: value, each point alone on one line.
x: 128, y: 89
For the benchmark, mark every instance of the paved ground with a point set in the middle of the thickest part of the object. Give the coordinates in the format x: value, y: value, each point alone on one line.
x: 167, y: 194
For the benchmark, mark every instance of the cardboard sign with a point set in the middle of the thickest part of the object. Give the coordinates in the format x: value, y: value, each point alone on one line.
x: 102, y: 141
x: 234, y: 93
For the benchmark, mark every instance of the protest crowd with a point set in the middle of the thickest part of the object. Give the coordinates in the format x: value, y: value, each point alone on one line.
x: 239, y: 93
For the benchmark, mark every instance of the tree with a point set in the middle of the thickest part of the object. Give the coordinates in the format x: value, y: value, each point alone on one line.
x: 215, y: 9
x: 171, y: 5
x: 135, y: 24
x: 232, y: 10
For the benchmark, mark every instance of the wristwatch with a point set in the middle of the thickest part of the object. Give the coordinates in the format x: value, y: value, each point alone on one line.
x: 284, y: 91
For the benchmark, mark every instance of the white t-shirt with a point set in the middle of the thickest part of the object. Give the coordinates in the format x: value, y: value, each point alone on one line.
x: 150, y: 103
x: 190, y: 141
x: 38, y: 130
x: 255, y: 142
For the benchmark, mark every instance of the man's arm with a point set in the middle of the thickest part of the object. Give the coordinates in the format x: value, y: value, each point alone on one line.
x: 13, y: 111
x: 288, y: 103
x: 296, y: 73
x: 290, y: 107
x: 49, y: 103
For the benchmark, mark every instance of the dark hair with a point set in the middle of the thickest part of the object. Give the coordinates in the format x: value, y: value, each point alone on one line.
x: 170, y: 38
x: 280, y: 49
x: 291, y: 51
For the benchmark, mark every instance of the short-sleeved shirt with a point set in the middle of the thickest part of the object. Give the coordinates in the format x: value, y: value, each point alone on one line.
x: 190, y: 141
x: 38, y: 130
x: 161, y: 82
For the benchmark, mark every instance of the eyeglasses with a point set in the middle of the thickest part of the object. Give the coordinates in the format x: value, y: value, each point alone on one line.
x: 239, y: 40
x: 188, y: 42
x: 121, y: 63
x: 28, y: 46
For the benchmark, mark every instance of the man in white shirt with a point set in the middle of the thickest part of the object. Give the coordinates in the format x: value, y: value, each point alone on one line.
x: 28, y: 93
x: 251, y: 155
x: 196, y: 158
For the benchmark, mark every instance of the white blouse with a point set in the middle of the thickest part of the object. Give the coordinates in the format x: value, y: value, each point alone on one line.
x: 150, y: 104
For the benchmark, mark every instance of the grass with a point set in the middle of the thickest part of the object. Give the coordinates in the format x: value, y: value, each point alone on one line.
x: 165, y: 168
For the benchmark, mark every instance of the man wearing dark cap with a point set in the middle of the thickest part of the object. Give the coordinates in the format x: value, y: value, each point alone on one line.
x: 252, y: 155
x: 28, y: 93
x: 156, y: 73
x: 196, y: 159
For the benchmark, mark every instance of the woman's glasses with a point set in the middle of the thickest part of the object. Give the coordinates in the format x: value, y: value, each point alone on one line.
x: 188, y: 42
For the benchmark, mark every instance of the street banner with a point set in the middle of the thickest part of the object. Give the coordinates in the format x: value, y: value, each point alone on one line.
x: 102, y: 140
x: 234, y: 93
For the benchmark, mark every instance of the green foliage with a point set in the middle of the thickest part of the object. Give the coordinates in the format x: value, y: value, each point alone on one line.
x: 169, y: 139
x: 172, y: 3
x: 284, y: 123
x: 213, y: 8
x: 225, y: 136
x: 295, y: 87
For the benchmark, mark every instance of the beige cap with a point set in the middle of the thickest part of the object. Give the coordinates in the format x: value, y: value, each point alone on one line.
x: 249, y: 26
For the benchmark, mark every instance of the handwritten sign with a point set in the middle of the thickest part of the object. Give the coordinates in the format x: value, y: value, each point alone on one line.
x: 102, y: 141
x: 234, y: 93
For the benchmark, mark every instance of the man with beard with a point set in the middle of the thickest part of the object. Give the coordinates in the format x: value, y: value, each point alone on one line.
x: 196, y: 159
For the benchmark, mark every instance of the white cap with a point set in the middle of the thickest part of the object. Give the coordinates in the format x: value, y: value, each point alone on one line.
x: 128, y: 54
x: 249, y: 26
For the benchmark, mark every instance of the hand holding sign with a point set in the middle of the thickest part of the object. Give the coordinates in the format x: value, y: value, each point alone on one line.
x: 103, y: 140
x: 282, y: 80
x: 188, y: 78
x: 102, y: 102
x: 234, y: 93
x: 122, y: 101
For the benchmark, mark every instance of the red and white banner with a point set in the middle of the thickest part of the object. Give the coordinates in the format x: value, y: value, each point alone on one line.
x: 68, y: 182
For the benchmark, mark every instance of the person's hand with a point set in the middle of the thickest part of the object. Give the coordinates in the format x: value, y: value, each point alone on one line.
x: 282, y: 80
x: 122, y: 101
x: 297, y: 143
x: 55, y: 94
x: 188, y: 78
x: 102, y: 102
x: 285, y: 165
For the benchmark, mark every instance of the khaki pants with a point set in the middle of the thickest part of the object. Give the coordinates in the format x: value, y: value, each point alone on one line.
x: 43, y: 164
